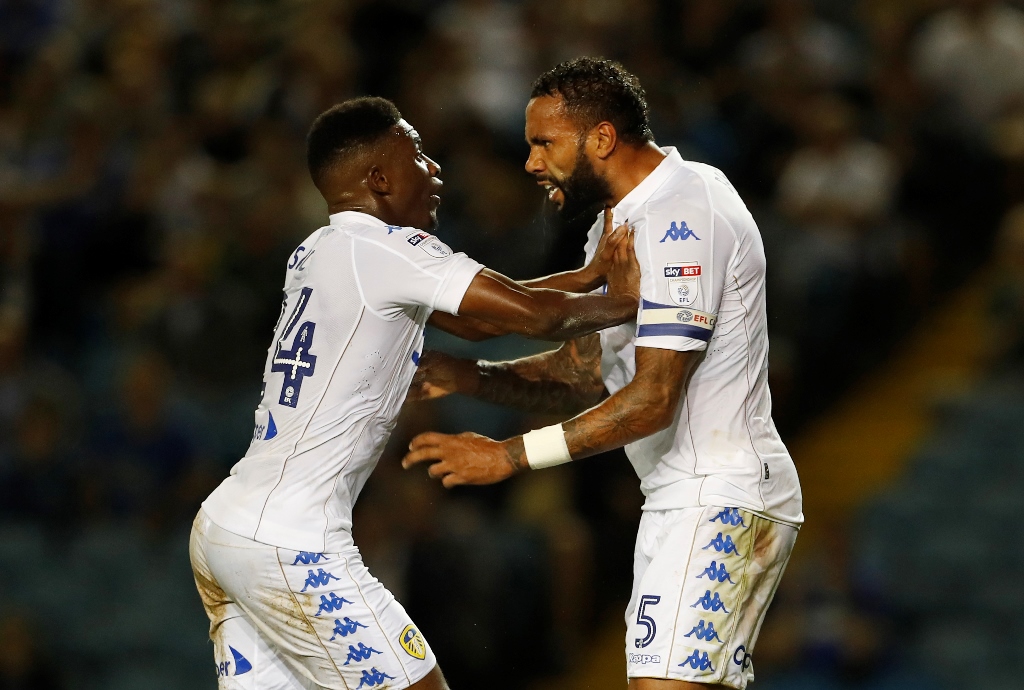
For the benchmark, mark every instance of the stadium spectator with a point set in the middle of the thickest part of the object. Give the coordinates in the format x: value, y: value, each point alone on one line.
x: 972, y: 57
x: 38, y: 475
x: 800, y: 49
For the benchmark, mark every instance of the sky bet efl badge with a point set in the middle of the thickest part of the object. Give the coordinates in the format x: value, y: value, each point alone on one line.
x: 412, y: 642
x: 683, y: 282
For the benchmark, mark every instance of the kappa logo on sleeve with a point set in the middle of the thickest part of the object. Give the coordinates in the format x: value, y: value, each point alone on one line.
x: 679, y: 231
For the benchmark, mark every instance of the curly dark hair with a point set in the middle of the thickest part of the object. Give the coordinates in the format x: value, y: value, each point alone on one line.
x: 596, y: 90
x: 344, y: 127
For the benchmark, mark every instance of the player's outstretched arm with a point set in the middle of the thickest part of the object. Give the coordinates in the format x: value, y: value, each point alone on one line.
x: 586, y: 279
x: 562, y: 381
x: 647, y: 405
x: 552, y: 314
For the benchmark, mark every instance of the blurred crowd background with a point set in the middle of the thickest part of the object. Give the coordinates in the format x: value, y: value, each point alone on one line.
x: 152, y: 186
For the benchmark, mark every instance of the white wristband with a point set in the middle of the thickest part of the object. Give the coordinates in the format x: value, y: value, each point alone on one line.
x: 546, y: 447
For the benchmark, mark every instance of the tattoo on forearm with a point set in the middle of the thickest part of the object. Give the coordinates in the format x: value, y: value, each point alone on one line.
x: 515, y: 453
x: 614, y: 423
x: 646, y: 406
x: 566, y: 380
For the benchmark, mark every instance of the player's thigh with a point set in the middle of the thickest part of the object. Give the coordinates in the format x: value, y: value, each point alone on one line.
x: 700, y: 602
x: 326, y: 617
x: 245, y: 660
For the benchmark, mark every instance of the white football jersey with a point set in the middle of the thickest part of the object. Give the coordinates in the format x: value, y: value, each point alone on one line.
x: 358, y: 293
x: 703, y: 288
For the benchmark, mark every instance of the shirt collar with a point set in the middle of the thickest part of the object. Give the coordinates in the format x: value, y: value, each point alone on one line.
x: 338, y: 219
x: 631, y: 203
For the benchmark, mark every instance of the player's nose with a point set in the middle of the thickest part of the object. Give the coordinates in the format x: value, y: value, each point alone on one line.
x: 433, y: 167
x: 534, y: 163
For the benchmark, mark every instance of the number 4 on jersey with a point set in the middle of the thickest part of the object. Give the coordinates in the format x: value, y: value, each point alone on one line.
x: 296, y: 363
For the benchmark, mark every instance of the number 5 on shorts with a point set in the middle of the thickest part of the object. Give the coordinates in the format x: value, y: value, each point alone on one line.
x: 645, y: 620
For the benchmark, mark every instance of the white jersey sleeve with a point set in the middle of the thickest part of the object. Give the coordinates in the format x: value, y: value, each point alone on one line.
x: 682, y: 273
x: 411, y: 268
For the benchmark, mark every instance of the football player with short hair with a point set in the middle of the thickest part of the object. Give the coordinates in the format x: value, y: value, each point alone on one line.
x: 290, y: 602
x: 684, y: 388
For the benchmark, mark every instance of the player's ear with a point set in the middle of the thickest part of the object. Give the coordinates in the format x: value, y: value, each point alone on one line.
x: 377, y: 181
x: 604, y: 138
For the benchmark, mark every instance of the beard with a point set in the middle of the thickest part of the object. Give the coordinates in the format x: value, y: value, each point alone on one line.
x: 583, y: 189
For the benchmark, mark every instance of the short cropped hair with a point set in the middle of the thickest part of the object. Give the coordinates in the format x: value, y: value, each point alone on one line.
x: 595, y: 90
x: 343, y: 128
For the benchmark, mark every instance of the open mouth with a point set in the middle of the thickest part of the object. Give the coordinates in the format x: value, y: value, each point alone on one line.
x: 555, y: 194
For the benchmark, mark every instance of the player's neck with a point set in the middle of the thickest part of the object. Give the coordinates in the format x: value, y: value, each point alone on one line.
x: 631, y: 167
x: 362, y: 205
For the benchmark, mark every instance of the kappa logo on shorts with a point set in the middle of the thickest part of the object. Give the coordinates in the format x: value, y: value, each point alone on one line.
x: 710, y: 603
x: 721, y: 574
x: 412, y: 642
x: 373, y: 678
x: 730, y: 516
x: 305, y: 558
x: 723, y: 545
x: 635, y: 658
x: 698, y: 661
x: 345, y: 628
x: 360, y: 653
x: 329, y: 605
x: 319, y: 579
x: 704, y: 632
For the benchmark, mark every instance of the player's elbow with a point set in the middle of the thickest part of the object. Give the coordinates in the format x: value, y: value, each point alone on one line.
x: 659, y: 409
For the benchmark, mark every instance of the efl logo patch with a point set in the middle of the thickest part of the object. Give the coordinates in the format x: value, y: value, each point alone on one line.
x: 436, y: 248
x: 412, y: 642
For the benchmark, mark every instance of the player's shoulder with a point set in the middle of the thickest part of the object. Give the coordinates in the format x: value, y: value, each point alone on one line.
x: 684, y: 193
x: 700, y: 180
x: 358, y: 225
x: 376, y: 236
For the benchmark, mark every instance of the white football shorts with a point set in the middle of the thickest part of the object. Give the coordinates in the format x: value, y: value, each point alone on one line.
x: 282, y: 619
x: 702, y: 582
